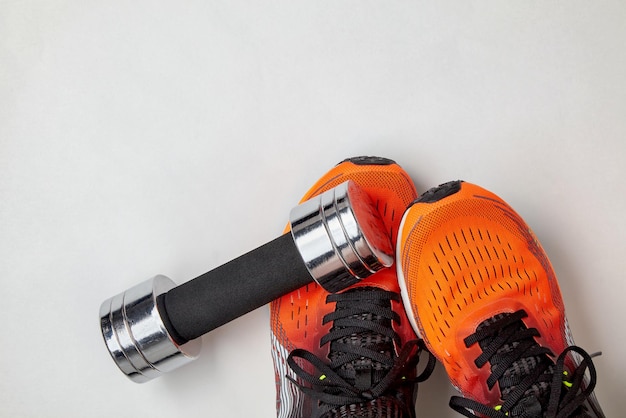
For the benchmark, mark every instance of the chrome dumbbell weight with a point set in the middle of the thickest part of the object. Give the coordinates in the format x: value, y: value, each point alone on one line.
x: 336, y: 239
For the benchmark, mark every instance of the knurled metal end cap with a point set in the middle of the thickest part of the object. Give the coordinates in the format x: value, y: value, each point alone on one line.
x: 135, y: 335
x: 341, y: 237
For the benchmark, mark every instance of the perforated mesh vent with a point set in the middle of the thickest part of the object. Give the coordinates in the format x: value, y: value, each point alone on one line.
x: 464, y: 255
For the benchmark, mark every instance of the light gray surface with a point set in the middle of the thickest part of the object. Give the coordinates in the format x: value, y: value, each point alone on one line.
x: 135, y: 136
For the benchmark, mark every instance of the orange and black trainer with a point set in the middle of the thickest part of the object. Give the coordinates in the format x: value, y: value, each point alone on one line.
x: 481, y: 292
x: 354, y: 353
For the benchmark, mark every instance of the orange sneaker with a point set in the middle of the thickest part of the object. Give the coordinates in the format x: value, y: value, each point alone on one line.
x: 480, y: 290
x: 353, y: 353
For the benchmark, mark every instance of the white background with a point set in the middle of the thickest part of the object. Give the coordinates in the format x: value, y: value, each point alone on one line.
x: 151, y: 137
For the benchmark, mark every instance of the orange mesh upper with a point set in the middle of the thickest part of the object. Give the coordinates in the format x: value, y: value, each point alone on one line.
x: 464, y: 259
x: 389, y: 187
x: 296, y: 317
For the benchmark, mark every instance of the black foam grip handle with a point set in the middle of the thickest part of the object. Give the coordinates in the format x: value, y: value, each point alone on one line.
x: 233, y: 289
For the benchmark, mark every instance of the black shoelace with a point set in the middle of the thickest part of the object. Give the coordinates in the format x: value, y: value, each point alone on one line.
x: 531, y: 384
x: 363, y: 367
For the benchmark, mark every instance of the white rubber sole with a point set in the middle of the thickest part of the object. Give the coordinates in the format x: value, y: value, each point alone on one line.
x: 402, y: 282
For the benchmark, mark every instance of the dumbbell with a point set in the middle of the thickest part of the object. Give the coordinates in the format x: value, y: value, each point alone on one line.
x: 336, y: 239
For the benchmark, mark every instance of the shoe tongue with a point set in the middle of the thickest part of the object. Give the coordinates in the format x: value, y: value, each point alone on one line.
x: 536, y: 397
x: 365, y: 372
